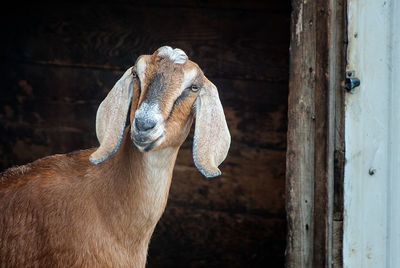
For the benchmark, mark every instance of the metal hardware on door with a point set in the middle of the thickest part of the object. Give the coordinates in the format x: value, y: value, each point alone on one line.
x: 351, y: 81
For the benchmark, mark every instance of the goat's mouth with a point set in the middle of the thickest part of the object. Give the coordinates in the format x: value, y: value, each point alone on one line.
x: 146, y: 146
x: 147, y: 134
x: 147, y: 140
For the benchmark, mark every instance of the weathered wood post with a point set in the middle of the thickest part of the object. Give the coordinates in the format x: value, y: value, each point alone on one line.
x: 315, y: 133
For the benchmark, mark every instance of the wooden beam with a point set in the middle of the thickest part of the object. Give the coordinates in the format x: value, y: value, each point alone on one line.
x: 300, y: 137
x: 315, y: 130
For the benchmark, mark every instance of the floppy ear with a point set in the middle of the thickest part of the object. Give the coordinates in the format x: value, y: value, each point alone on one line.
x: 211, y: 135
x: 111, y: 118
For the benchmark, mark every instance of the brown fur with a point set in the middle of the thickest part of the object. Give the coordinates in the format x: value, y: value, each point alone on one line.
x: 64, y: 211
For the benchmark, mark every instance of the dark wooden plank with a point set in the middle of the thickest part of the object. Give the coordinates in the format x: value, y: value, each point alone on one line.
x: 330, y: 24
x: 22, y: 83
x: 202, y: 238
x: 226, y: 43
x: 49, y: 115
x: 256, y: 112
x: 323, y: 146
x: 265, y: 5
x: 22, y: 145
x: 254, y: 179
x: 337, y: 244
x: 270, y: 6
x: 340, y: 44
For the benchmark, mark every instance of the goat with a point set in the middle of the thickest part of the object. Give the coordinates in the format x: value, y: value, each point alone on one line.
x: 99, y: 207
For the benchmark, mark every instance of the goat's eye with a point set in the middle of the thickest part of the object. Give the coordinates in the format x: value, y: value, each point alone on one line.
x: 134, y: 74
x: 195, y: 88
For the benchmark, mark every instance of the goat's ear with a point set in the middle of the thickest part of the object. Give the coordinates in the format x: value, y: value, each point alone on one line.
x: 211, y: 135
x: 111, y: 118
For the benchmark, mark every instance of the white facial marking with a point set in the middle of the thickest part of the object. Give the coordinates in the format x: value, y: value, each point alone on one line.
x: 177, y: 55
x: 141, y: 69
x: 151, y: 112
x: 188, y: 77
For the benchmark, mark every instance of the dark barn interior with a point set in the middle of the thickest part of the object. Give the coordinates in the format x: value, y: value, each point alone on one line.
x: 60, y: 60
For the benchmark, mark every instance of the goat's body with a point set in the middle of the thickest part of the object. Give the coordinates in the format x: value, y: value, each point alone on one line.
x: 54, y: 214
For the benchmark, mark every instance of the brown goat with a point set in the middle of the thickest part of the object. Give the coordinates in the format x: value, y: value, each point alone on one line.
x: 99, y: 207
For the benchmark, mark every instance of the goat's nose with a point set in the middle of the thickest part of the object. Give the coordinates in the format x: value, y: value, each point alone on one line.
x: 144, y: 124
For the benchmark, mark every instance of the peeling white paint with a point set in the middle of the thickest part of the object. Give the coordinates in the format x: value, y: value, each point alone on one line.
x: 372, y: 135
x: 299, y: 25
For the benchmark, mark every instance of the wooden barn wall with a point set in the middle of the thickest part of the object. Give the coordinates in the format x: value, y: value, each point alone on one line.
x: 58, y: 61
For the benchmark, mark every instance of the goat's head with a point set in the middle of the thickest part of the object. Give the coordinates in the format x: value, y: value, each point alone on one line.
x: 164, y: 92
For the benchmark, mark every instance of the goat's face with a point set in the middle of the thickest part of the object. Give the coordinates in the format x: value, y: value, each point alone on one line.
x: 164, y: 92
x: 169, y: 85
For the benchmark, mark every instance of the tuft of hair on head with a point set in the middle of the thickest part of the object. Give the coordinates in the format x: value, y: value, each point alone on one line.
x: 177, y: 55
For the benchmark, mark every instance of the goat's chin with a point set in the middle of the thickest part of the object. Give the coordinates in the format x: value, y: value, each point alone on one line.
x: 150, y: 145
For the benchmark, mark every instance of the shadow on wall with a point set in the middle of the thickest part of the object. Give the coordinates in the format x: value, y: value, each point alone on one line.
x: 60, y: 60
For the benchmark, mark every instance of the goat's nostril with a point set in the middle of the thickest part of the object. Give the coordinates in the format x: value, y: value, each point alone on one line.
x: 144, y: 124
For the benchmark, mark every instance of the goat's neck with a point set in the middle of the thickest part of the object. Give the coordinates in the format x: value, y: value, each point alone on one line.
x: 152, y: 187
x: 138, y: 184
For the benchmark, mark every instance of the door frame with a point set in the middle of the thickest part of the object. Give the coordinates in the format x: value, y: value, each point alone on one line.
x: 315, y: 138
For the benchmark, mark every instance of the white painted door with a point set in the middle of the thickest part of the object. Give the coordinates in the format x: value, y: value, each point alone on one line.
x: 372, y: 135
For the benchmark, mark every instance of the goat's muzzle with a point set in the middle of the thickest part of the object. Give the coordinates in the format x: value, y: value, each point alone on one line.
x: 147, y: 128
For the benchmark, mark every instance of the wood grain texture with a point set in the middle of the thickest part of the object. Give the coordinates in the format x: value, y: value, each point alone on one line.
x: 340, y: 44
x: 204, y: 238
x: 324, y: 139
x: 232, y: 43
x: 330, y: 24
x: 315, y: 133
x: 265, y: 5
x: 253, y: 188
x: 300, y: 138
